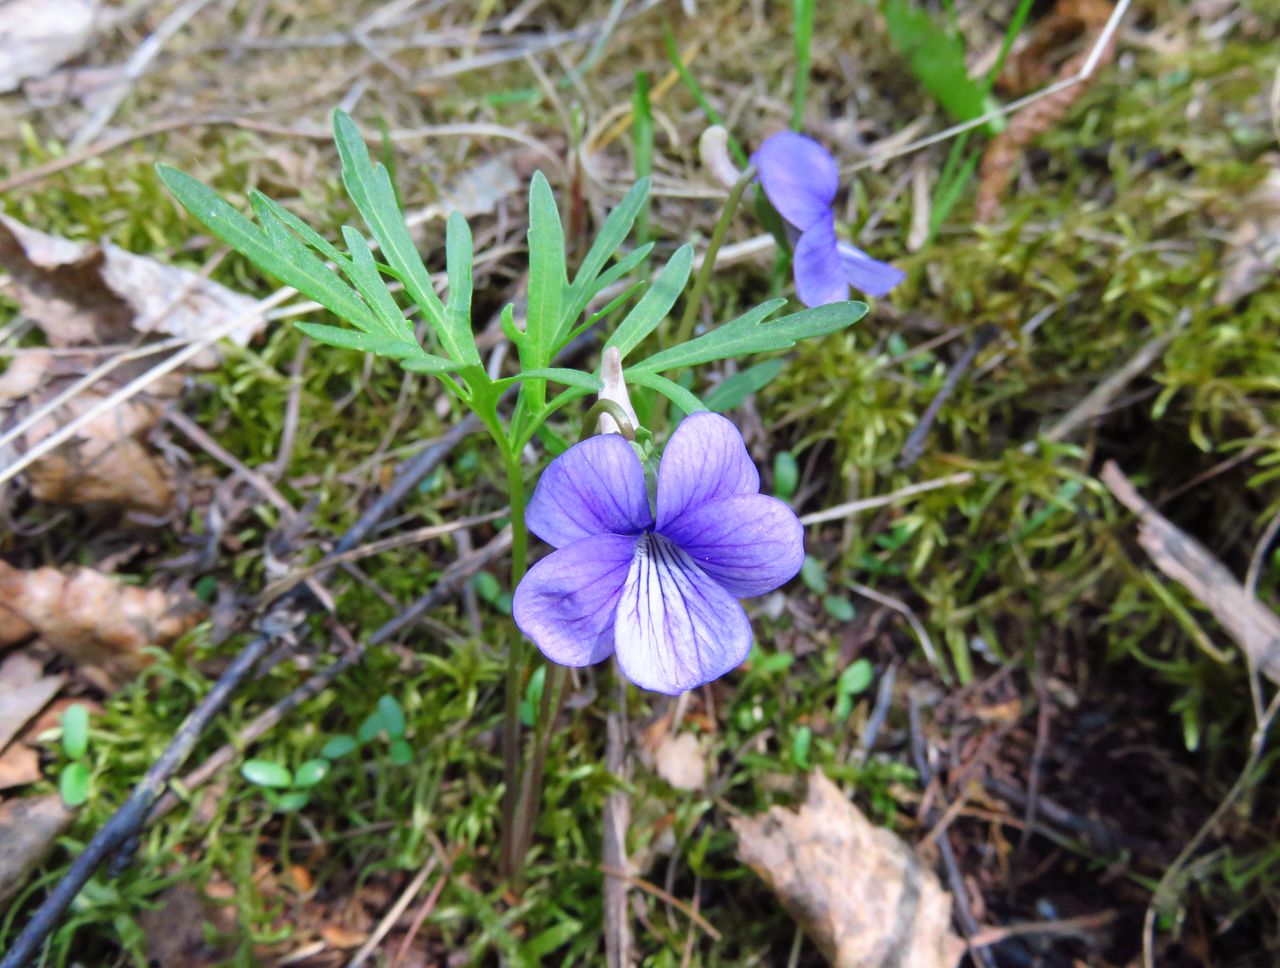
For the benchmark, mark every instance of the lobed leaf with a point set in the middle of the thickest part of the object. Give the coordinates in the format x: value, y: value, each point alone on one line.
x: 292, y: 263
x: 547, y: 276
x: 370, y: 188
x: 749, y: 333
x: 616, y: 228
x: 682, y: 398
x: 655, y: 303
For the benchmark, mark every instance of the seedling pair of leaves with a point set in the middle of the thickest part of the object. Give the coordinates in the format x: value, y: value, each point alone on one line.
x: 73, y: 781
x: 289, y: 790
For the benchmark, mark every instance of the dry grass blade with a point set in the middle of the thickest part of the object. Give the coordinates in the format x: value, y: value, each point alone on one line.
x: 1253, y: 626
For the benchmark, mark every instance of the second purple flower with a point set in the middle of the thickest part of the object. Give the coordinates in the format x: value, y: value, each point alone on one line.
x: 800, y: 179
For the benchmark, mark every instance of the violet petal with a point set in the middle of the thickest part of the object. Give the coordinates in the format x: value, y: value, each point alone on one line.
x: 676, y: 628
x: 819, y: 275
x: 799, y: 177
x: 866, y: 274
x: 595, y: 487
x: 750, y: 544
x: 704, y: 460
x: 566, y: 602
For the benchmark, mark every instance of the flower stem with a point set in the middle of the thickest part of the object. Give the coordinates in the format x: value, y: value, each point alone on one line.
x: 511, y: 858
x: 709, y: 258
x: 553, y: 693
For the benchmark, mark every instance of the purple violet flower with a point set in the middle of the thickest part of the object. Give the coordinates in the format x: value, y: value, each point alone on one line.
x: 660, y: 588
x: 800, y: 179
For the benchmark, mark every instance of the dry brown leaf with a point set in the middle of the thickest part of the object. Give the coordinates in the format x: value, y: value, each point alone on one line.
x: 19, y: 766
x: 856, y: 889
x: 1253, y: 246
x: 28, y: 829
x: 680, y: 761
x: 95, y: 618
x: 38, y: 35
x: 12, y: 628
x: 82, y: 293
x: 23, y: 692
x: 106, y: 462
x: 1255, y: 628
x: 1006, y: 148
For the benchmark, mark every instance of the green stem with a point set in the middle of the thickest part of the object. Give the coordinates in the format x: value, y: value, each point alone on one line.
x: 511, y: 859
x: 708, y: 267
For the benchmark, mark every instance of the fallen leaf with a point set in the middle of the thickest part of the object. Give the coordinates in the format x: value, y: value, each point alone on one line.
x: 856, y: 889
x: 341, y: 937
x: 19, y: 766
x: 106, y: 462
x: 1254, y: 627
x: 22, y: 694
x: 82, y: 293
x: 38, y: 35
x: 28, y: 829
x: 95, y: 618
x: 175, y: 929
x: 680, y: 761
x: 1253, y: 246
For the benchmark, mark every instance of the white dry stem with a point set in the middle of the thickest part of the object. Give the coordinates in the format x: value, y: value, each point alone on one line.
x: 615, y: 391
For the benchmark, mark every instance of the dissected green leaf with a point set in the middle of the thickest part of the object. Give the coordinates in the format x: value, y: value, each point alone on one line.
x: 547, y: 277
x: 682, y: 398
x: 654, y: 305
x: 556, y: 374
x: 366, y: 278
x: 350, y: 339
x: 369, y: 186
x: 734, y: 389
x: 267, y: 208
x: 750, y: 333
x: 295, y: 266
x: 460, y: 253
x: 616, y: 228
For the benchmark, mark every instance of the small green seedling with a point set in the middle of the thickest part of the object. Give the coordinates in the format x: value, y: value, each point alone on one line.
x: 854, y: 681
x: 73, y: 782
x: 286, y: 790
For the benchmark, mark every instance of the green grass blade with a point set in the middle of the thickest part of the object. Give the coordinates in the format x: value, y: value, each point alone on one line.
x: 741, y: 385
x: 690, y: 82
x: 642, y: 143
x: 802, y: 22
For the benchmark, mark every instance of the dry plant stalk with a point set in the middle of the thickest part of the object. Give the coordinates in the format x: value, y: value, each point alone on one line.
x: 1253, y: 626
x: 856, y: 889
x: 1070, y: 18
